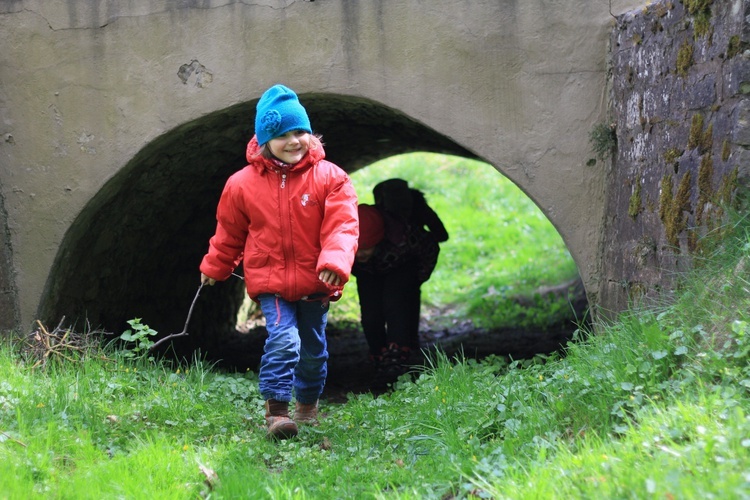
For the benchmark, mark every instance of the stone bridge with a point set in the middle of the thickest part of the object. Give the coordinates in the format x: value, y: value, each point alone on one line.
x: 120, y: 122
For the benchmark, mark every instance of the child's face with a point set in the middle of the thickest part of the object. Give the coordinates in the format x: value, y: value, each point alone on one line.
x: 290, y: 147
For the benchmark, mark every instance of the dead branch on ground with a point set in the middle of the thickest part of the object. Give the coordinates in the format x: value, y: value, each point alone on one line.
x: 60, y: 344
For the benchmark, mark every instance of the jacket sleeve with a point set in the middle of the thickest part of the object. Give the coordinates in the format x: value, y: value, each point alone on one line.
x: 339, y: 231
x: 428, y: 217
x: 427, y: 251
x: 227, y: 244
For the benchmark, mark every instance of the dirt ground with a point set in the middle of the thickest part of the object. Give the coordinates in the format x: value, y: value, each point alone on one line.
x: 349, y: 369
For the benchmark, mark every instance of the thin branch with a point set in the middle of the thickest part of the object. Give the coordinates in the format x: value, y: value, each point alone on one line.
x: 168, y: 337
x: 12, y: 439
x: 184, y: 331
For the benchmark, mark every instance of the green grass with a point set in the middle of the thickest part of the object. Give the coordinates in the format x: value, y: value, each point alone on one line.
x: 653, y: 405
x: 501, y: 245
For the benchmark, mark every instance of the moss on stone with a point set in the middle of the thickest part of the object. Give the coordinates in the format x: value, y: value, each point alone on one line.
x: 698, y: 6
x: 696, y: 131
x: 672, y: 208
x: 671, y: 155
x: 665, y: 198
x: 702, y: 25
x: 682, y: 200
x: 634, y: 206
x: 705, y: 176
x: 684, y: 58
x: 705, y: 187
x: 661, y: 10
x: 636, y: 291
x: 727, y: 187
x: 734, y: 47
x: 725, y: 150
x: 707, y: 139
x: 693, y: 242
x: 701, y: 12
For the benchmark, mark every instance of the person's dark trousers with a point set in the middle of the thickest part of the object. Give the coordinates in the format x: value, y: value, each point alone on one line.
x: 390, y: 306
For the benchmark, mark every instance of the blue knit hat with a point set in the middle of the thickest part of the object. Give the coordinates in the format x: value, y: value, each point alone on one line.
x: 278, y: 112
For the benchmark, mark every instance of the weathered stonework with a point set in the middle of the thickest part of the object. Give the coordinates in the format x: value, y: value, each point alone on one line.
x: 8, y: 297
x: 681, y: 110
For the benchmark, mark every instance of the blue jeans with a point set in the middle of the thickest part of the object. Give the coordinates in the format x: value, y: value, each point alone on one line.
x: 296, y: 354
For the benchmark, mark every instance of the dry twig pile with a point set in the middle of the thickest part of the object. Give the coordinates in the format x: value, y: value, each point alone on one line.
x: 61, y: 344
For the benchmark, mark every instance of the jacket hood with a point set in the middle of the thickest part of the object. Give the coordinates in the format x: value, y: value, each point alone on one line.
x: 313, y: 156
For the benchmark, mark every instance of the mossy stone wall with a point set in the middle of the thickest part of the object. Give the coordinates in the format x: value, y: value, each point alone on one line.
x: 679, y: 105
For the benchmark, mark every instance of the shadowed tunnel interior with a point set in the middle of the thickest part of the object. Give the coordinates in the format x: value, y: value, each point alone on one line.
x: 134, y: 250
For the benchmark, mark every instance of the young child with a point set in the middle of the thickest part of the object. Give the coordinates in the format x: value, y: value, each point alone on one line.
x: 291, y: 217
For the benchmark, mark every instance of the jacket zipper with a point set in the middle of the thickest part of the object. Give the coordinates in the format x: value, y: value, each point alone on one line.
x: 286, y: 237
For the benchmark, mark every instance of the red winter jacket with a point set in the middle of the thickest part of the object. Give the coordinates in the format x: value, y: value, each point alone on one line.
x: 287, y: 224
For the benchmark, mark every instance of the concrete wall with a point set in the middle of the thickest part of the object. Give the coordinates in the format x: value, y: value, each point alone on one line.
x: 122, y: 119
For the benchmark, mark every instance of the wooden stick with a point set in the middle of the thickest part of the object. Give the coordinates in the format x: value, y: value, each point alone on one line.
x: 41, y: 327
x: 12, y: 439
x: 184, y: 331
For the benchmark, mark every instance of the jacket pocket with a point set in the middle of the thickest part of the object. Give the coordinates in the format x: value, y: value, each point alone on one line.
x: 255, y: 260
x: 257, y: 273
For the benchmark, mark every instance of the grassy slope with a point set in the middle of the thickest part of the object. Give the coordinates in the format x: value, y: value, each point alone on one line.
x: 655, y: 405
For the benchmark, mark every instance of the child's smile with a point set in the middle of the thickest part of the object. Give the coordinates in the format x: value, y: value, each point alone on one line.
x: 290, y: 147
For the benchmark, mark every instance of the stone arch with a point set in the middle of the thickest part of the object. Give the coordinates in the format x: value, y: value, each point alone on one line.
x: 514, y: 83
x: 134, y: 249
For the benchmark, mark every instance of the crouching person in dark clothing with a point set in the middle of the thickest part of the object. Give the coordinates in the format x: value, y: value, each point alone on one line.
x: 393, y: 260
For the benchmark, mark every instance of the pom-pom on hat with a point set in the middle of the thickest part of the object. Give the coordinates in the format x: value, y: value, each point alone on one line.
x: 371, y: 226
x: 279, y: 111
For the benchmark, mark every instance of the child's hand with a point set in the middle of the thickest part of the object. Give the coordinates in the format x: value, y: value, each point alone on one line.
x: 206, y: 280
x: 329, y: 277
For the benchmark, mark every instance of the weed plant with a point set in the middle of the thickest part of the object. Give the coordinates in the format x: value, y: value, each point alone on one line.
x: 653, y: 405
x: 603, y: 140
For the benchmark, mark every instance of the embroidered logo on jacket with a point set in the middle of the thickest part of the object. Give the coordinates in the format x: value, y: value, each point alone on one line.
x: 306, y: 199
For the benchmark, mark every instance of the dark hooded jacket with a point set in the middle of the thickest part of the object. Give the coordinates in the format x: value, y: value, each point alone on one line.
x: 413, y: 232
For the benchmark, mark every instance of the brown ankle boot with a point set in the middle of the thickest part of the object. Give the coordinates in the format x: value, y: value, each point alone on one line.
x: 280, y: 426
x: 306, y: 413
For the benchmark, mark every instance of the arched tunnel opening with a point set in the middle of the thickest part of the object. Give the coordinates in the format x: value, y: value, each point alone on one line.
x: 134, y: 250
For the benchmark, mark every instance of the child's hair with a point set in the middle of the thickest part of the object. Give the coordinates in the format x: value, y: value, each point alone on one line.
x: 265, y: 150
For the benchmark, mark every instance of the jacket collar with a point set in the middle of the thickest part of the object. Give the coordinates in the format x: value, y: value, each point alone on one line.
x: 313, y: 156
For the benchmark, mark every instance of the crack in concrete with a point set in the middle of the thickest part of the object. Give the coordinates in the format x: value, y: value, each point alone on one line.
x: 113, y: 18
